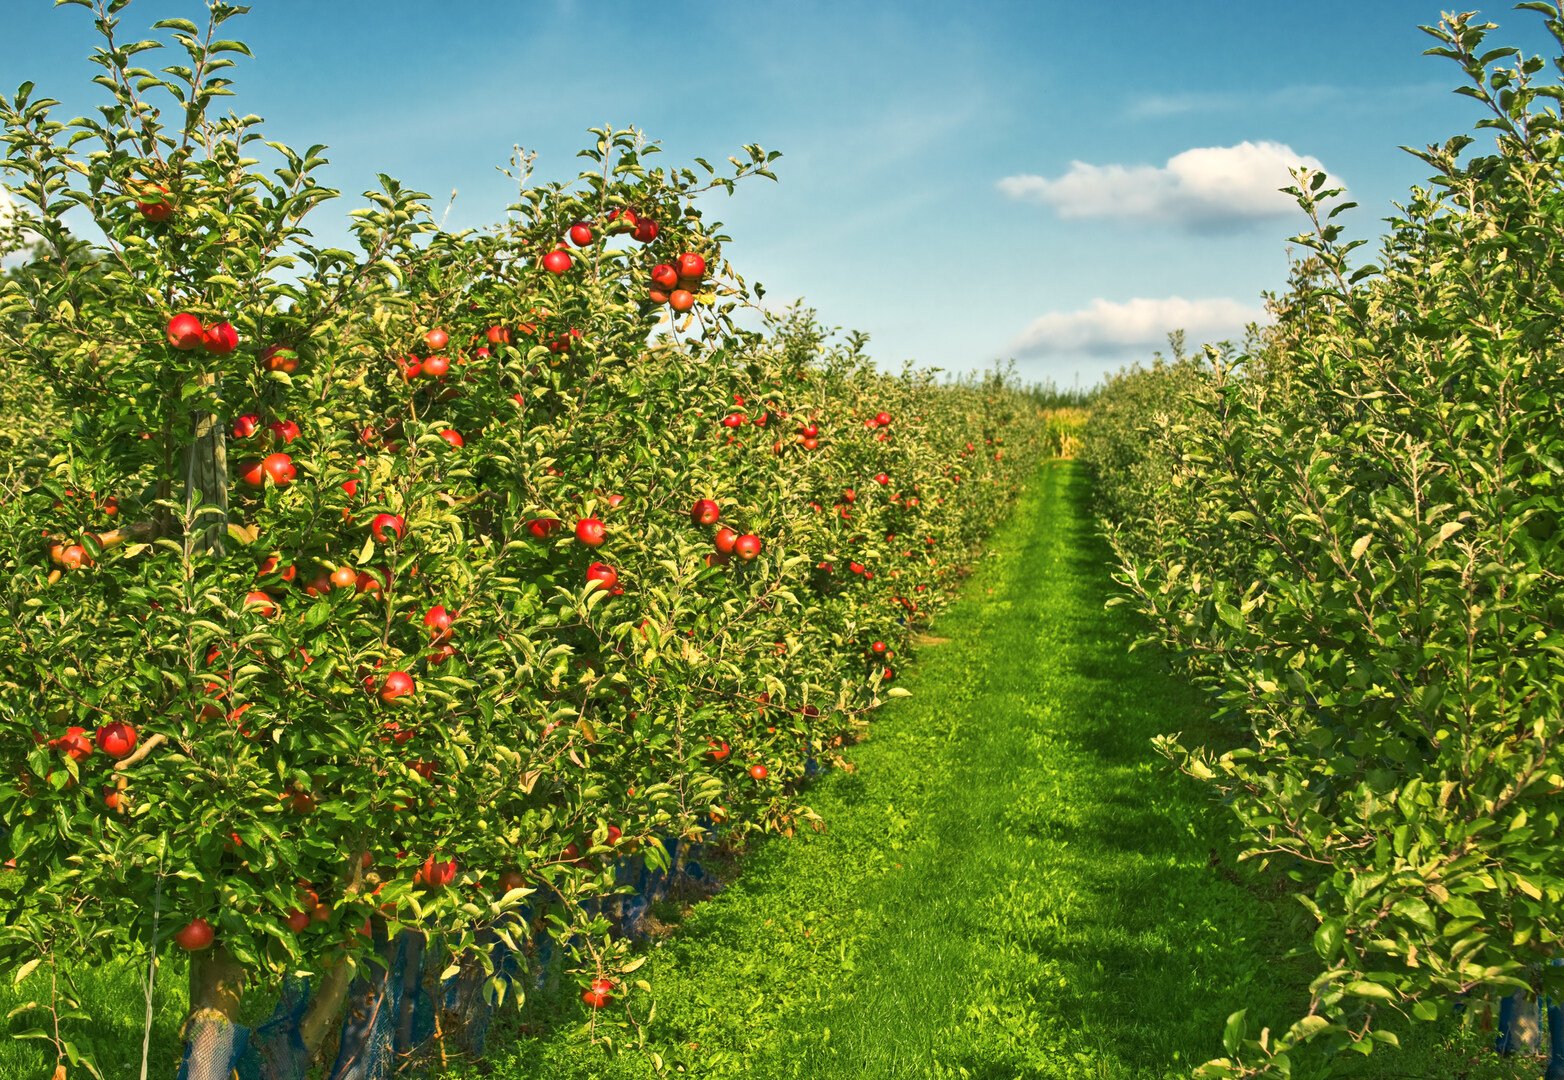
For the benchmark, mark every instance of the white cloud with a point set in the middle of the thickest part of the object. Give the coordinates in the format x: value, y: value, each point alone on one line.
x: 1204, y: 189
x: 1109, y: 328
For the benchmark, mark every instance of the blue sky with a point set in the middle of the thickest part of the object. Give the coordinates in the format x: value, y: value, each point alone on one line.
x: 1060, y: 183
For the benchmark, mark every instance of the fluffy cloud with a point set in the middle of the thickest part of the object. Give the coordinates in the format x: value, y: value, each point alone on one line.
x: 1133, y: 327
x: 1206, y: 189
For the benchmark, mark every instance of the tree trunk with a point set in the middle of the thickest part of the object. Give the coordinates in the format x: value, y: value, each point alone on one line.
x: 214, y: 1041
x: 206, y: 486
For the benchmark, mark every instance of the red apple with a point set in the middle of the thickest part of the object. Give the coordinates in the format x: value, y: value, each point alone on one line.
x: 691, y: 265
x: 580, y: 234
x: 387, y: 523
x: 195, y: 935
x: 116, y: 739
x: 435, y: 367
x: 681, y: 300
x: 590, y: 532
x: 747, y: 547
x: 435, y: 874
x: 261, y: 602
x: 283, y: 431
x: 605, y: 575
x: 645, y: 231
x: 75, y: 743
x: 725, y: 540
x: 281, y: 358
x: 719, y: 750
x: 154, y: 208
x: 397, y: 684
x: 599, y: 994
x: 279, y: 469
x: 436, y: 339
x: 557, y: 261
x: 246, y: 425
x: 759, y: 772
x: 665, y: 276
x: 453, y: 438
x: 220, y: 338
x: 185, y: 332
x: 705, y: 512
x: 438, y: 620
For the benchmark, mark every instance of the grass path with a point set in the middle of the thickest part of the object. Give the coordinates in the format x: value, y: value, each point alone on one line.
x: 1012, y: 884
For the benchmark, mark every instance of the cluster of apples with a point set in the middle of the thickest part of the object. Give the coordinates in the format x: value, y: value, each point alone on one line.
x: 187, y: 333
x: 675, y: 283
x: 116, y: 739
x: 727, y: 542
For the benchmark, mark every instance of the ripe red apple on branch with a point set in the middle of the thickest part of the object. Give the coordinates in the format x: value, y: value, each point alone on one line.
x: 281, y: 358
x: 386, y: 528
x: 598, y: 994
x: 151, y: 206
x: 116, y: 739
x: 195, y: 935
x: 395, y: 686
x: 220, y: 338
x: 747, y: 547
x: 605, y: 576
x: 185, y: 332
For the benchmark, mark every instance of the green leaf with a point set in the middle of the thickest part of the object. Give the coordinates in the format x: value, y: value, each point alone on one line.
x: 1365, y: 989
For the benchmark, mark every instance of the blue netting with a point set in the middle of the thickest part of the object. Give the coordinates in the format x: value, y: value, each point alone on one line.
x: 213, y: 1048
x: 1521, y: 1020
x: 396, y: 1006
x: 276, y: 1050
x: 367, y: 1047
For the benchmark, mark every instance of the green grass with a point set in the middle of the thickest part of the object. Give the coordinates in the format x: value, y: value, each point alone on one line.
x: 1012, y: 884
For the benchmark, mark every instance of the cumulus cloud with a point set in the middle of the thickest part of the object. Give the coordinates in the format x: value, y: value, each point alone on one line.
x: 1128, y: 328
x: 1205, y: 189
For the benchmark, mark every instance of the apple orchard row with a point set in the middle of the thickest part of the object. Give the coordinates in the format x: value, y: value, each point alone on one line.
x: 420, y: 586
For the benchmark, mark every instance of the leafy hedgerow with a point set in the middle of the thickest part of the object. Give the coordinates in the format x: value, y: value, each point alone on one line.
x: 359, y: 590
x: 1352, y: 532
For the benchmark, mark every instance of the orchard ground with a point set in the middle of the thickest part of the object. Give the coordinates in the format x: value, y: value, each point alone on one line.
x: 1011, y: 884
